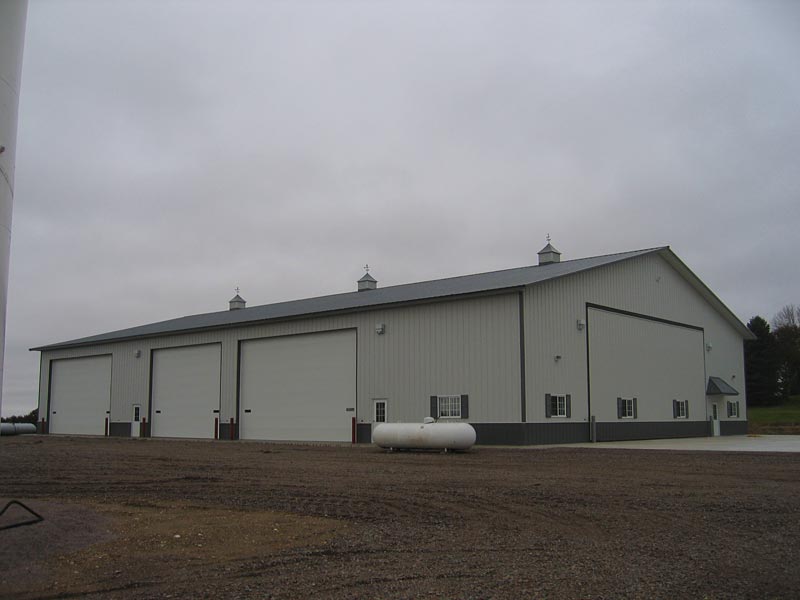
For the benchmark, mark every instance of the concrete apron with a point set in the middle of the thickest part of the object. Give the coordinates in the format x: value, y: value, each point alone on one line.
x: 732, y: 443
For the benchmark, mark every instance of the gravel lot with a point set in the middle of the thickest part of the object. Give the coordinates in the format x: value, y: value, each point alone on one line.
x: 160, y: 518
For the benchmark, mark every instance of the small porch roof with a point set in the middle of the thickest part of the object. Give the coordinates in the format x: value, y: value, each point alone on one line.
x: 719, y: 387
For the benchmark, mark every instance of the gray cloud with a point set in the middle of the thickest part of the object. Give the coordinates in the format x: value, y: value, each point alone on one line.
x: 169, y: 151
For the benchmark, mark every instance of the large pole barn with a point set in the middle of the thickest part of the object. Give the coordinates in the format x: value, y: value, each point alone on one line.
x: 622, y: 346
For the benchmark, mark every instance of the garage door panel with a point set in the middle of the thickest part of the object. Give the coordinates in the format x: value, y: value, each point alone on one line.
x: 80, y: 395
x: 298, y: 387
x: 652, y: 361
x: 186, y: 391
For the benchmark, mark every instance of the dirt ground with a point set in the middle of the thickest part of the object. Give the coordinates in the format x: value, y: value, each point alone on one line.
x: 138, y: 518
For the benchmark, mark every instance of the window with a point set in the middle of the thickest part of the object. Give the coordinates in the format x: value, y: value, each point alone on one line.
x: 450, y: 406
x: 380, y: 411
x: 680, y: 409
x: 733, y: 409
x: 557, y: 406
x: 626, y: 408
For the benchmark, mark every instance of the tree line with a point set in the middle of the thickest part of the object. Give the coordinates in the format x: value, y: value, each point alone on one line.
x: 31, y: 417
x: 772, y: 360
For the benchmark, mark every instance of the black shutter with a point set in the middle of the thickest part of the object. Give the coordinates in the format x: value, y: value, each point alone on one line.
x: 547, y: 406
x: 738, y: 414
x: 435, y: 407
x: 464, y: 406
x: 619, y: 408
x: 569, y: 405
x: 635, y: 412
x: 728, y: 405
x: 686, y: 404
x: 674, y: 409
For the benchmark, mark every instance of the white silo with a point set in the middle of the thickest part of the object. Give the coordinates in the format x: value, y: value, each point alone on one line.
x: 12, y: 37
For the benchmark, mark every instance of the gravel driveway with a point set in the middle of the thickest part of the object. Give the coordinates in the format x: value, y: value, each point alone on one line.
x: 160, y: 518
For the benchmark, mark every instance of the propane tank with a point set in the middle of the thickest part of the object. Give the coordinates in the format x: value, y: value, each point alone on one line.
x: 429, y: 434
x: 17, y: 428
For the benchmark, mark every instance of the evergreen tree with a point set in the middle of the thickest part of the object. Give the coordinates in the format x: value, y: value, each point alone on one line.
x: 762, y: 365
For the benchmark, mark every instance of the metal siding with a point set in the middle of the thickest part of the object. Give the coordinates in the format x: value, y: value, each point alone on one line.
x: 524, y: 434
x: 647, y: 285
x: 637, y: 358
x: 733, y: 427
x: 646, y: 430
x: 119, y: 429
x: 466, y: 346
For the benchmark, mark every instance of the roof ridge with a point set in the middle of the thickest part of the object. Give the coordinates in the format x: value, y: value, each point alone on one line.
x: 653, y: 249
x: 381, y: 296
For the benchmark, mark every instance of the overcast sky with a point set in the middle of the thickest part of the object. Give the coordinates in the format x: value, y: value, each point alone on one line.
x: 170, y: 151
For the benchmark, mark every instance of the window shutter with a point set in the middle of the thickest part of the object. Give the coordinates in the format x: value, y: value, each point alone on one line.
x: 547, y: 406
x: 728, y: 405
x: 464, y: 406
x: 435, y: 407
x: 738, y: 414
x: 569, y: 405
x: 635, y: 412
x: 686, y: 404
x: 619, y: 408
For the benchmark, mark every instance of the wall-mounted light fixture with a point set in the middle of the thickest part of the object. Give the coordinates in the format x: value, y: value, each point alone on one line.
x: 557, y: 357
x: 708, y: 346
x: 581, y: 324
x: 380, y: 328
x: 138, y: 353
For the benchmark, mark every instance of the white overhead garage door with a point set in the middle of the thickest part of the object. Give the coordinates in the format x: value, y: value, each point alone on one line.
x: 652, y: 361
x: 299, y: 387
x: 185, y: 393
x: 80, y: 395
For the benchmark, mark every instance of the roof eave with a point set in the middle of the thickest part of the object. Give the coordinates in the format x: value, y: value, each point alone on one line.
x: 667, y: 254
x: 81, y: 343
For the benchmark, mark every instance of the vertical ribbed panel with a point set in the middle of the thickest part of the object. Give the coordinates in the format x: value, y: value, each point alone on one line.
x: 647, y: 285
x: 654, y: 362
x: 460, y: 347
x: 467, y: 346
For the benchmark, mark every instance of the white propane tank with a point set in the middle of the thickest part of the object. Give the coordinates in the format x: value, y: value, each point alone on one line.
x: 427, y: 435
x: 17, y: 428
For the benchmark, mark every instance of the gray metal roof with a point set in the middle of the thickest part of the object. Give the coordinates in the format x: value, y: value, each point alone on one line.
x: 549, y: 248
x: 719, y: 387
x: 410, y: 292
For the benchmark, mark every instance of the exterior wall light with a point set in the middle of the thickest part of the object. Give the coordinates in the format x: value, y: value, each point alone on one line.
x: 581, y: 324
x: 380, y: 328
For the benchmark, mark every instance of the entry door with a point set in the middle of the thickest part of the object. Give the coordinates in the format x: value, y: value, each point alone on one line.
x: 380, y: 412
x: 715, y: 417
x: 136, y: 420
